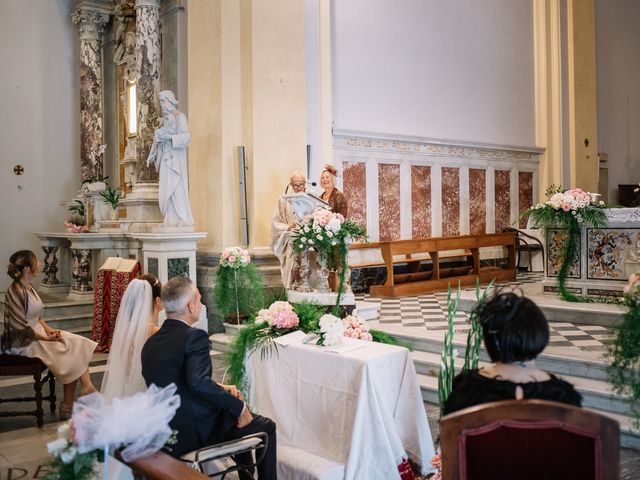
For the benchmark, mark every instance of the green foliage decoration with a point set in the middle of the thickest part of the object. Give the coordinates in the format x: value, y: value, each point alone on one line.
x: 111, y: 196
x: 238, y: 291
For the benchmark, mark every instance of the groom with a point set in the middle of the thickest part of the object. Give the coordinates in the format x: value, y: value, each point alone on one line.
x: 209, y: 413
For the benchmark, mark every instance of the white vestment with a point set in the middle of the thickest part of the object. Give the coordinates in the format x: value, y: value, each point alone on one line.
x: 281, y: 239
x: 170, y: 159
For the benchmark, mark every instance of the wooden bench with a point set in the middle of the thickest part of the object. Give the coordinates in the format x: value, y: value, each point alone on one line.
x: 16, y: 365
x: 416, y: 282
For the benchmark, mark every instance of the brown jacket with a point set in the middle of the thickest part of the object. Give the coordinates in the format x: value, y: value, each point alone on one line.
x: 17, y: 332
x: 338, y: 202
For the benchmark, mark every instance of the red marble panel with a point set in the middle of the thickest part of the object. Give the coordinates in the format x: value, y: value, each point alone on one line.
x: 450, y: 201
x: 389, y: 201
x: 477, y: 201
x: 503, y: 199
x: 354, y: 184
x: 525, y: 194
x: 420, y: 201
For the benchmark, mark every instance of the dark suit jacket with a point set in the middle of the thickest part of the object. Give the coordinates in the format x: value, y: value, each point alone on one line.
x: 179, y: 354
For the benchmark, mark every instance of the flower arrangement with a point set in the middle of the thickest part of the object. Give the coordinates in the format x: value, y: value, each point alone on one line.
x: 238, y: 292
x: 331, y: 330
x: 624, y: 352
x: 328, y: 234
x: 568, y: 210
x: 279, y: 315
x: 356, y: 327
x: 235, y: 257
x: 73, y: 228
x: 67, y: 463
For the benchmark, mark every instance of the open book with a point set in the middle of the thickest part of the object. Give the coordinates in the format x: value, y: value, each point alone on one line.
x: 119, y: 264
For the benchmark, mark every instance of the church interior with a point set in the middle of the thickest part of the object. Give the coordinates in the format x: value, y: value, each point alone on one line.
x: 200, y: 138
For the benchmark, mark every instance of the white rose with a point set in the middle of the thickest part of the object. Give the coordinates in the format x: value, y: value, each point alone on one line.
x: 319, y: 237
x: 329, y: 233
x: 68, y: 454
x: 334, y: 225
x: 57, y: 446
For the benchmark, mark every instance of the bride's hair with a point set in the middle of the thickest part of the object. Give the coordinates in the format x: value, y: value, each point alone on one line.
x: 156, y: 286
x: 123, y: 376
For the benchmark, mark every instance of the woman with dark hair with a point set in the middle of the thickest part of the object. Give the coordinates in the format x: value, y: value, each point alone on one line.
x: 137, y: 321
x: 514, y: 331
x: 26, y: 333
x: 334, y: 197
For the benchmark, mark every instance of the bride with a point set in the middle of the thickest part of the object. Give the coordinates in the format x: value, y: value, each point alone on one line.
x: 137, y: 320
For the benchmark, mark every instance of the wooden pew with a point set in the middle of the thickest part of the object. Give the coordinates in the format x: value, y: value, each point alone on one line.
x: 440, y: 279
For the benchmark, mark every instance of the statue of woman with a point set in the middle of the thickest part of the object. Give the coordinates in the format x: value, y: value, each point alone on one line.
x: 169, y: 154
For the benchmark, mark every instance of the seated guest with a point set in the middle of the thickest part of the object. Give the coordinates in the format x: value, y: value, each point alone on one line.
x: 26, y: 333
x: 137, y: 320
x: 209, y: 413
x: 515, y: 331
x: 334, y: 197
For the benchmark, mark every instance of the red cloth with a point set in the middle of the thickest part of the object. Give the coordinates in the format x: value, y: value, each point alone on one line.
x: 405, y: 470
x: 109, y: 289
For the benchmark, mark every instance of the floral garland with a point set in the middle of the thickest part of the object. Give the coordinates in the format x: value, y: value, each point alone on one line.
x: 568, y: 210
x: 281, y: 318
x: 624, y: 352
x: 325, y: 232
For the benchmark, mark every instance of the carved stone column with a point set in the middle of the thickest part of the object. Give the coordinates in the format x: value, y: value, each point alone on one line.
x: 148, y: 84
x: 90, y: 24
x: 50, y: 265
x: 81, y: 270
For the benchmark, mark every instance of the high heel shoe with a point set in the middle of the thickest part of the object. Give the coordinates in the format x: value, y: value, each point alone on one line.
x: 65, y: 411
x: 87, y: 391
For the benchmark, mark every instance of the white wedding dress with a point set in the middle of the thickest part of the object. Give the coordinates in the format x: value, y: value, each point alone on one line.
x: 123, y: 376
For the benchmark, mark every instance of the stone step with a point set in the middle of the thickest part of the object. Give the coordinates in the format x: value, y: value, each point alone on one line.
x: 556, y: 310
x: 71, y: 322
x: 629, y: 435
x: 556, y: 364
x: 368, y: 310
x: 221, y: 342
x: 596, y: 394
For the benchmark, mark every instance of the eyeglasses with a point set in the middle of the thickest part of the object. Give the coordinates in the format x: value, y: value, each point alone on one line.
x: 298, y: 184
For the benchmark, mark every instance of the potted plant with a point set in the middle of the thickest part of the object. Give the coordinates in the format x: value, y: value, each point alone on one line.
x: 77, y: 223
x: 238, y: 292
x: 112, y: 197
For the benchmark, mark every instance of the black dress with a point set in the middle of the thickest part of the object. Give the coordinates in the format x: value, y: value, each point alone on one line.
x: 472, y: 388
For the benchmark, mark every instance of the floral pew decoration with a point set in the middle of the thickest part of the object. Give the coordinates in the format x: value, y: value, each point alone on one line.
x: 328, y: 234
x: 238, y: 292
x: 282, y: 318
x: 624, y: 351
x: 568, y: 210
x: 139, y: 423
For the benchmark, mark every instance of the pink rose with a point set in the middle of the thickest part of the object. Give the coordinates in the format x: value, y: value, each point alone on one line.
x: 232, y: 258
x: 287, y: 319
x: 566, y: 207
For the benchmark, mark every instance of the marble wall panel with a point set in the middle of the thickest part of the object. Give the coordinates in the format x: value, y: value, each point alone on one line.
x: 502, y: 199
x: 450, y: 201
x: 389, y: 201
x: 525, y: 194
x: 355, y: 189
x: 477, y: 201
x: 555, y: 241
x: 420, y: 201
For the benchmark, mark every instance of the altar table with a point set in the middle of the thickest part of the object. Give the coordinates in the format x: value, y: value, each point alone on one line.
x: 362, y: 409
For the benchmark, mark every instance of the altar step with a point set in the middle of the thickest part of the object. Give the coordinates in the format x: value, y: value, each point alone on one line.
x: 556, y: 310
x: 589, y: 376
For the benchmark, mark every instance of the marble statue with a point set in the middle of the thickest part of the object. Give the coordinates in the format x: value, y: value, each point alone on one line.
x: 169, y: 154
x: 125, y: 55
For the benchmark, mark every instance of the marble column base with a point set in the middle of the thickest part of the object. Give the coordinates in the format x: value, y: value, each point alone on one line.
x: 57, y: 289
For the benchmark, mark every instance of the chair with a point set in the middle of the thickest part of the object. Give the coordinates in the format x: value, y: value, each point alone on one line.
x: 527, y: 243
x: 529, y: 439
x: 15, y: 365
x: 207, y: 460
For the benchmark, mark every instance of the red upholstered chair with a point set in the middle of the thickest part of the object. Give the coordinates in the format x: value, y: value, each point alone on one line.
x: 529, y: 439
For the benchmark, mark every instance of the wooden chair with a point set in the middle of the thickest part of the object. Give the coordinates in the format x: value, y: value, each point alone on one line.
x: 529, y: 244
x: 15, y: 365
x: 529, y: 439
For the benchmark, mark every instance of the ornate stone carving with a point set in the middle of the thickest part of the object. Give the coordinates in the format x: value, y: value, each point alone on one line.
x: 148, y: 83
x: 50, y: 265
x: 90, y: 23
x: 81, y: 270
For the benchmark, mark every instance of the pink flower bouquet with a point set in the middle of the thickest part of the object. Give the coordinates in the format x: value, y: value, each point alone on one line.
x: 235, y: 257
x: 356, y: 327
x: 279, y: 315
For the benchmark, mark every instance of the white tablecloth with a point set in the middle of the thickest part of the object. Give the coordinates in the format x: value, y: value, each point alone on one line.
x: 362, y: 408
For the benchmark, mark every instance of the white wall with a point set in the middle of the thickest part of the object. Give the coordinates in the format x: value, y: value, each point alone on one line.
x: 454, y: 69
x: 39, y: 122
x: 618, y: 88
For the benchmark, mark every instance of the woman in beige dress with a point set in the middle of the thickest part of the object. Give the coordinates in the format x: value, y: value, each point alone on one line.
x: 137, y: 321
x: 66, y: 354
